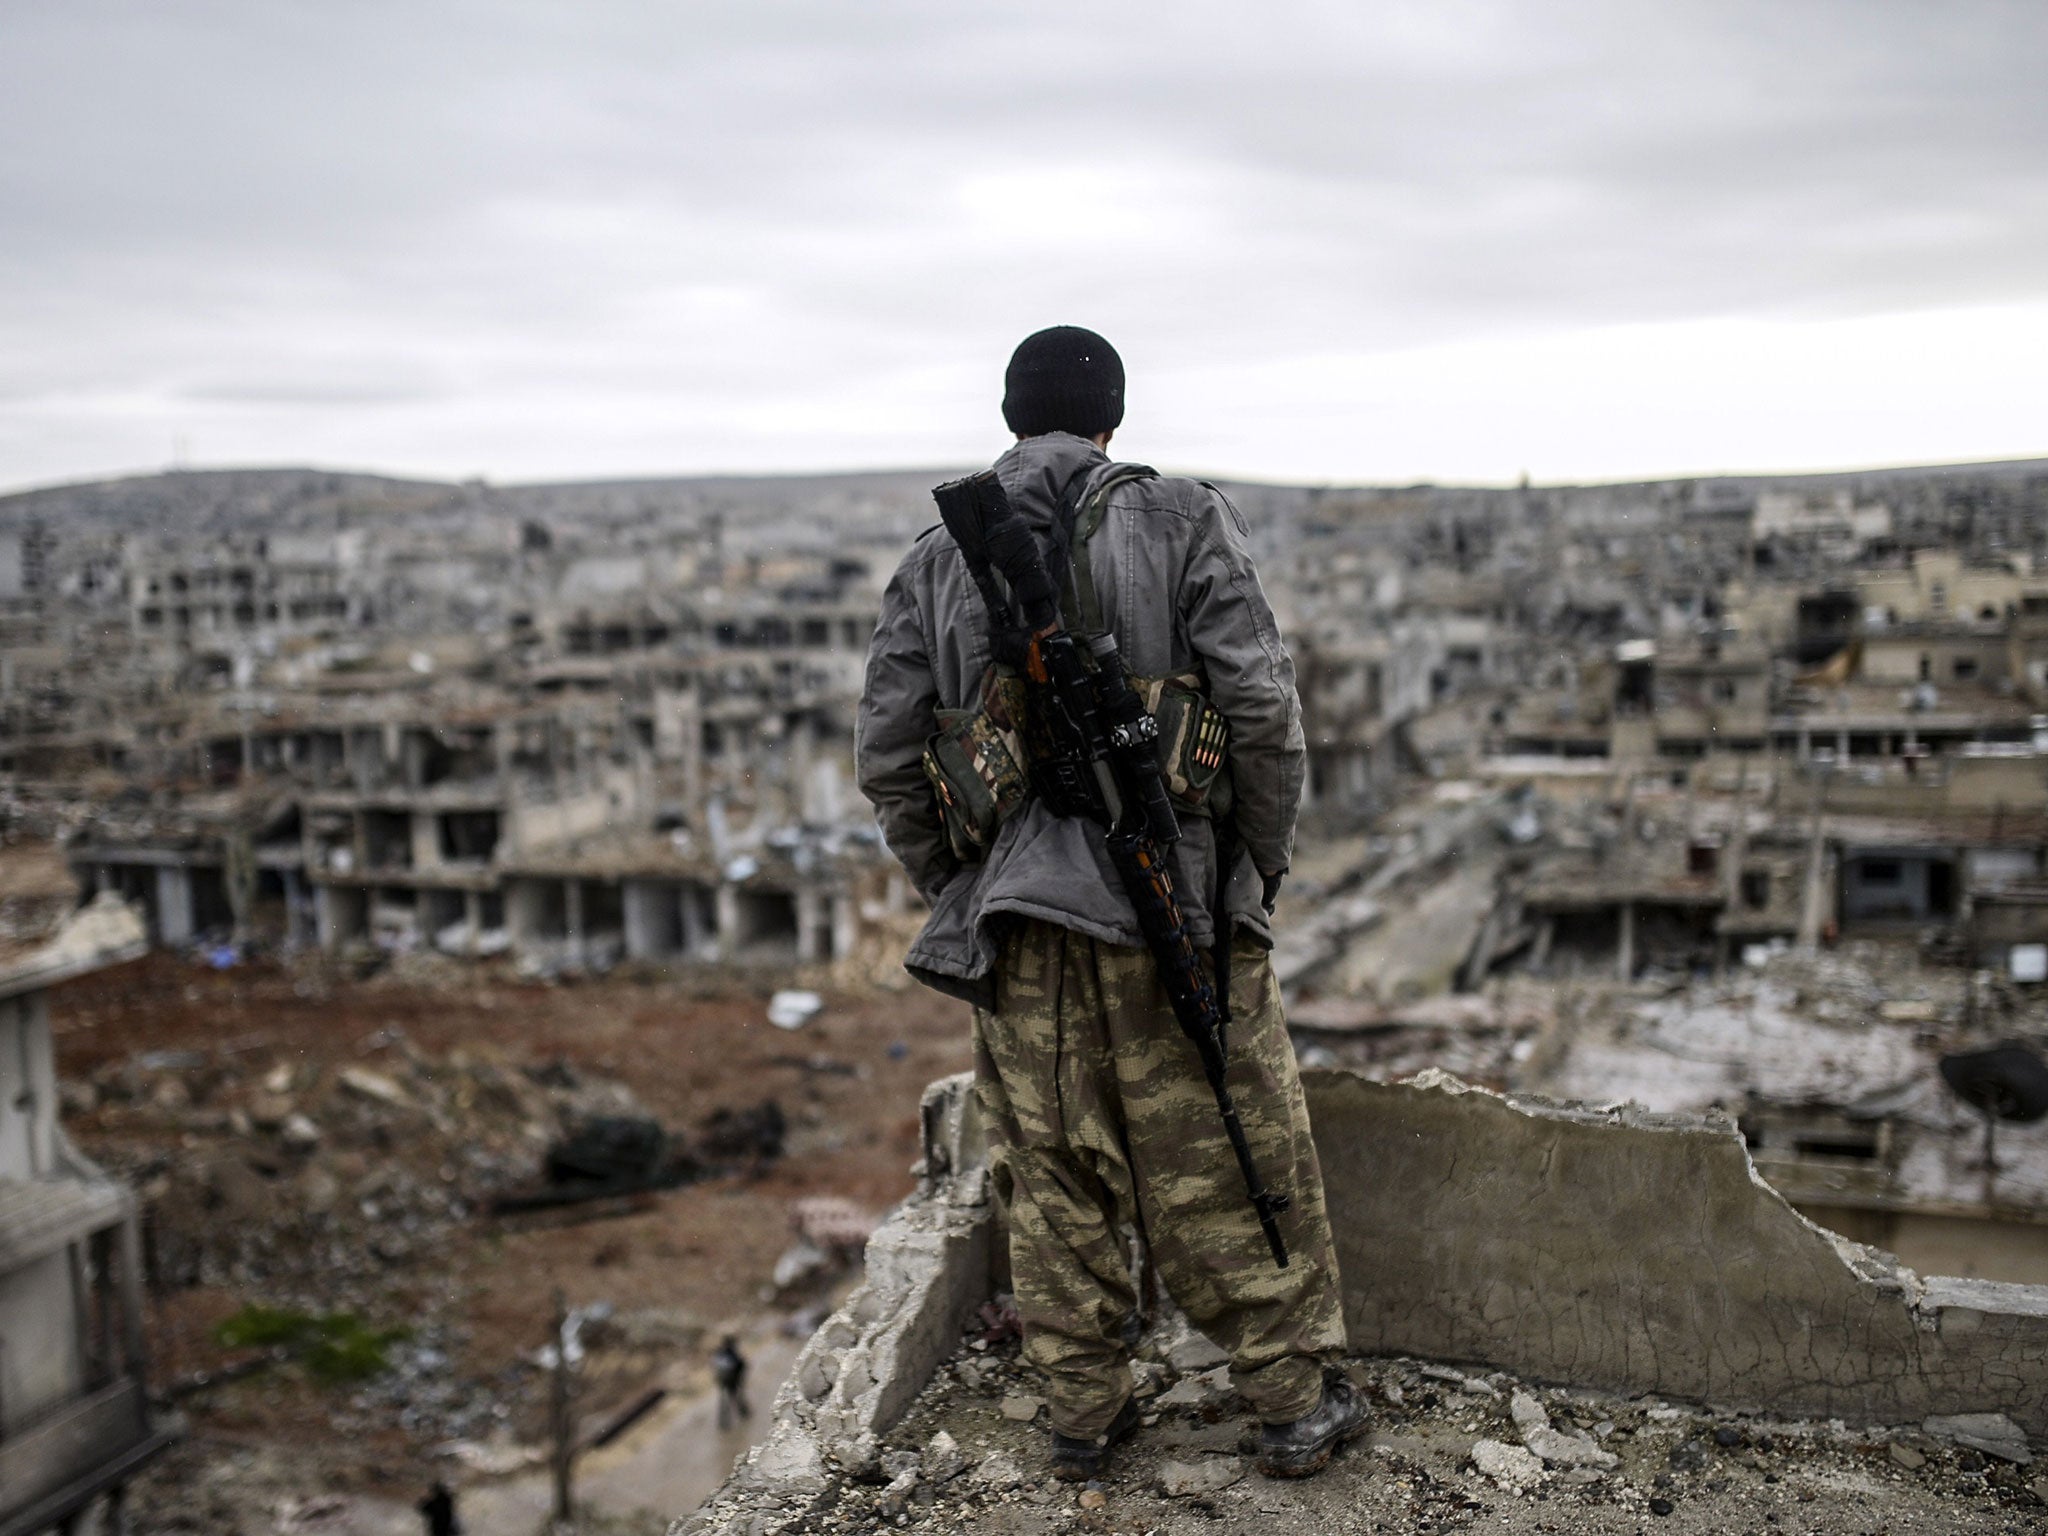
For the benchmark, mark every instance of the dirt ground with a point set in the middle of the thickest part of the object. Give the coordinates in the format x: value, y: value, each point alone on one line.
x: 310, y: 1141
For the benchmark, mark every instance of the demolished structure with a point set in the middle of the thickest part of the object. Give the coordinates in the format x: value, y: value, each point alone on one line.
x: 1725, y: 798
x: 460, y: 735
x: 75, y: 1419
x: 1589, y: 741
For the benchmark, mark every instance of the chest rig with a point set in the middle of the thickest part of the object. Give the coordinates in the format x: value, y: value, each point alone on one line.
x: 987, y: 762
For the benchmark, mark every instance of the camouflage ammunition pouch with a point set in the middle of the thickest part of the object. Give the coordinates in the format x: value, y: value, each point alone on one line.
x: 1194, y: 742
x: 981, y: 761
x: 976, y: 763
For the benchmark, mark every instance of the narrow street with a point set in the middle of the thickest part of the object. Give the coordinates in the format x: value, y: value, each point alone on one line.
x: 663, y: 1467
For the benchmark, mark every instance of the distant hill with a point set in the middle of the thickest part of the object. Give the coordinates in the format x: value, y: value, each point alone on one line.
x: 861, y: 504
x: 220, y: 500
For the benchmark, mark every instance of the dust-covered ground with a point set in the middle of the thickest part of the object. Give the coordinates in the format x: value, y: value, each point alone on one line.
x: 313, y: 1144
x: 1677, y: 1469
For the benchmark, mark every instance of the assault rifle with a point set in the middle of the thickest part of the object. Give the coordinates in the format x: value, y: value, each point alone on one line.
x: 1106, y: 767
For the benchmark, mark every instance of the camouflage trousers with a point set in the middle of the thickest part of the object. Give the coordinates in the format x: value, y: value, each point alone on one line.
x: 1099, y: 1119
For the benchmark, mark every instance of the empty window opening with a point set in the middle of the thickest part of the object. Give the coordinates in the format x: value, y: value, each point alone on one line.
x: 469, y: 836
x: 1861, y: 1148
x: 764, y: 924
x: 387, y: 839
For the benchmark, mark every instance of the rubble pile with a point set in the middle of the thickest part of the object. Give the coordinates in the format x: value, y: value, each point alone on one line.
x: 287, y: 1172
x: 1448, y: 1450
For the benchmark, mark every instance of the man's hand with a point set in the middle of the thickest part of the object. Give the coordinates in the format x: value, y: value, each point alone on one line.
x: 1270, y: 891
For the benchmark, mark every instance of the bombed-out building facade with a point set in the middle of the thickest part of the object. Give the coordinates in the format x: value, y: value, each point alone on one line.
x: 471, y: 732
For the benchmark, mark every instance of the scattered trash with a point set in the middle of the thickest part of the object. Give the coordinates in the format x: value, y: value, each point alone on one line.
x: 317, y: 1512
x: 364, y: 1083
x: 805, y: 1321
x: 793, y: 1010
x: 170, y: 1061
x: 833, y: 1223
x: 799, y: 1262
x: 492, y: 1458
x: 999, y: 1320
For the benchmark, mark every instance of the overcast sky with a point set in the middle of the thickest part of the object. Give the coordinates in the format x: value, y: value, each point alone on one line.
x: 1333, y: 239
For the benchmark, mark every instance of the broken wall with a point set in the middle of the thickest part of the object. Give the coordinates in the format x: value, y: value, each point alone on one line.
x: 536, y: 826
x: 1641, y: 1253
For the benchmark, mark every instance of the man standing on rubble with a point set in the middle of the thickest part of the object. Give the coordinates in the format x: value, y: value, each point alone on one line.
x: 1100, y: 1118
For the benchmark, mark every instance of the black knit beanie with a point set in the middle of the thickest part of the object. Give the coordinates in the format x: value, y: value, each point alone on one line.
x: 1064, y: 380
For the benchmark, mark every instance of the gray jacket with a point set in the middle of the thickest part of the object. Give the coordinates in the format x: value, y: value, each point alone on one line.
x: 1178, y: 589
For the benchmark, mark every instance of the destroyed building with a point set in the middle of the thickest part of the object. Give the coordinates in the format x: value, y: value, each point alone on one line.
x: 470, y: 734
x: 1726, y: 799
x: 76, y: 1422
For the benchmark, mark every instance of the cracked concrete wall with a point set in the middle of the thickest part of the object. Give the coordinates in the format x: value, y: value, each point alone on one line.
x: 1641, y: 1253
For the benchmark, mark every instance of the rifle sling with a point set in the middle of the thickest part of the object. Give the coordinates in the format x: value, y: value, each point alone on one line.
x: 1080, y: 605
x: 1081, y: 612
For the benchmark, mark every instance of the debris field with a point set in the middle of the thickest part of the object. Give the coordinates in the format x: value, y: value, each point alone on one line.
x: 1447, y: 1451
x: 320, y: 1155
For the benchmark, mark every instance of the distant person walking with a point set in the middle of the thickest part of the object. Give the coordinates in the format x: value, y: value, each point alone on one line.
x: 438, y: 1510
x: 729, y: 1370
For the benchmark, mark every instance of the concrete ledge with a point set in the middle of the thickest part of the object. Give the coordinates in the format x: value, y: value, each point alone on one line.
x: 1636, y: 1253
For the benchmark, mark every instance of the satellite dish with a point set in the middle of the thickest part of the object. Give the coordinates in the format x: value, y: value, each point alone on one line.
x: 2005, y: 1082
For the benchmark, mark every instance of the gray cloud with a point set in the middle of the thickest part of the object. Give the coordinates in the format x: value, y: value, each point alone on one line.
x: 558, y: 239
